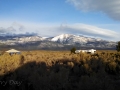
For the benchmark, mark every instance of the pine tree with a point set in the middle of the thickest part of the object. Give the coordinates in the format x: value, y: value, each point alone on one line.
x: 73, y: 50
x: 118, y: 46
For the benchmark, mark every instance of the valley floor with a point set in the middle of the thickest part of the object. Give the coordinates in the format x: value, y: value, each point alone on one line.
x: 60, y: 70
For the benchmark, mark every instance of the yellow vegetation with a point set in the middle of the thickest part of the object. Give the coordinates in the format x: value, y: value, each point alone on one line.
x: 62, y: 70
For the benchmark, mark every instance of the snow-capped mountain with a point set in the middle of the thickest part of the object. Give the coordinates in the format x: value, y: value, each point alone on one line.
x: 72, y: 39
x: 13, y: 40
x: 63, y: 40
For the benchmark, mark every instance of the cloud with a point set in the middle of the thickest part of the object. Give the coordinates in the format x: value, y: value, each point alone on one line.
x: 11, y: 27
x: 7, y: 30
x: 77, y: 29
x: 19, y: 26
x: 109, y: 7
x: 90, y: 30
x: 52, y: 29
x: 2, y: 30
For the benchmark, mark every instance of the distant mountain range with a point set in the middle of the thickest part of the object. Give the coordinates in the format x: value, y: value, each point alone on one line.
x: 60, y: 42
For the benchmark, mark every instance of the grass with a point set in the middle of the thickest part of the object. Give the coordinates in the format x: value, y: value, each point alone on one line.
x: 51, y: 70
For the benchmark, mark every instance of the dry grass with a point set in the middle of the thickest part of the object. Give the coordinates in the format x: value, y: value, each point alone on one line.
x: 62, y: 70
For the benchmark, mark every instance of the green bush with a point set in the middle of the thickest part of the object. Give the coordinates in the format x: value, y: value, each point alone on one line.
x: 73, y: 50
x: 118, y: 46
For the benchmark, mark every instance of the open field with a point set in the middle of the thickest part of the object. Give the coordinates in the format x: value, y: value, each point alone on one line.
x: 60, y: 70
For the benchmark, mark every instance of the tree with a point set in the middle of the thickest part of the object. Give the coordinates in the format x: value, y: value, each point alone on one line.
x: 73, y: 50
x: 118, y: 46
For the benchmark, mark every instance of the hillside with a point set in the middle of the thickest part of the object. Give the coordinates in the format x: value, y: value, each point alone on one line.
x: 63, y: 41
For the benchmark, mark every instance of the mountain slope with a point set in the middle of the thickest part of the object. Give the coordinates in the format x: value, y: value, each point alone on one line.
x: 83, y: 41
x: 60, y: 41
x: 68, y: 39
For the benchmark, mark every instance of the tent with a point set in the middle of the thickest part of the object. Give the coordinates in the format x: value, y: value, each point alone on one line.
x: 12, y: 51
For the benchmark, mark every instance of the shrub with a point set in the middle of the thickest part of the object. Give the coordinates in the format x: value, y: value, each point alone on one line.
x: 73, y: 50
x: 58, y: 70
x: 118, y: 46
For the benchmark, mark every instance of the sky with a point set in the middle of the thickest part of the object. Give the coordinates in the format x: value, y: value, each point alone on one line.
x: 92, y: 18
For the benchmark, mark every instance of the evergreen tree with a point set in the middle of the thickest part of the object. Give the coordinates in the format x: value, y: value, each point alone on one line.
x: 73, y: 50
x: 118, y: 46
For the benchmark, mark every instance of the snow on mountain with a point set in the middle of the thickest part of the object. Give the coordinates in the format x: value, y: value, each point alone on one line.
x: 69, y: 38
x: 33, y: 38
x: 63, y: 39
x: 21, y: 40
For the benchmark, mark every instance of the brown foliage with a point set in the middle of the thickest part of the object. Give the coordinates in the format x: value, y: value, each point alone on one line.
x: 60, y: 70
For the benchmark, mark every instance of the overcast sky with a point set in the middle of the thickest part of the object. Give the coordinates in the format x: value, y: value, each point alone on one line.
x: 94, y: 18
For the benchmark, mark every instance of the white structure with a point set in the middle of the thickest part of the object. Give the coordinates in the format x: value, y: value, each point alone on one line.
x: 12, y: 51
x: 92, y: 51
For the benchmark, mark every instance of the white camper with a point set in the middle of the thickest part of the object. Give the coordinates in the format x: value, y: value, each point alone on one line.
x: 92, y: 51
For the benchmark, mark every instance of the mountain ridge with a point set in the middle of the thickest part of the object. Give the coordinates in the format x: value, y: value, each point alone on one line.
x: 60, y: 41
